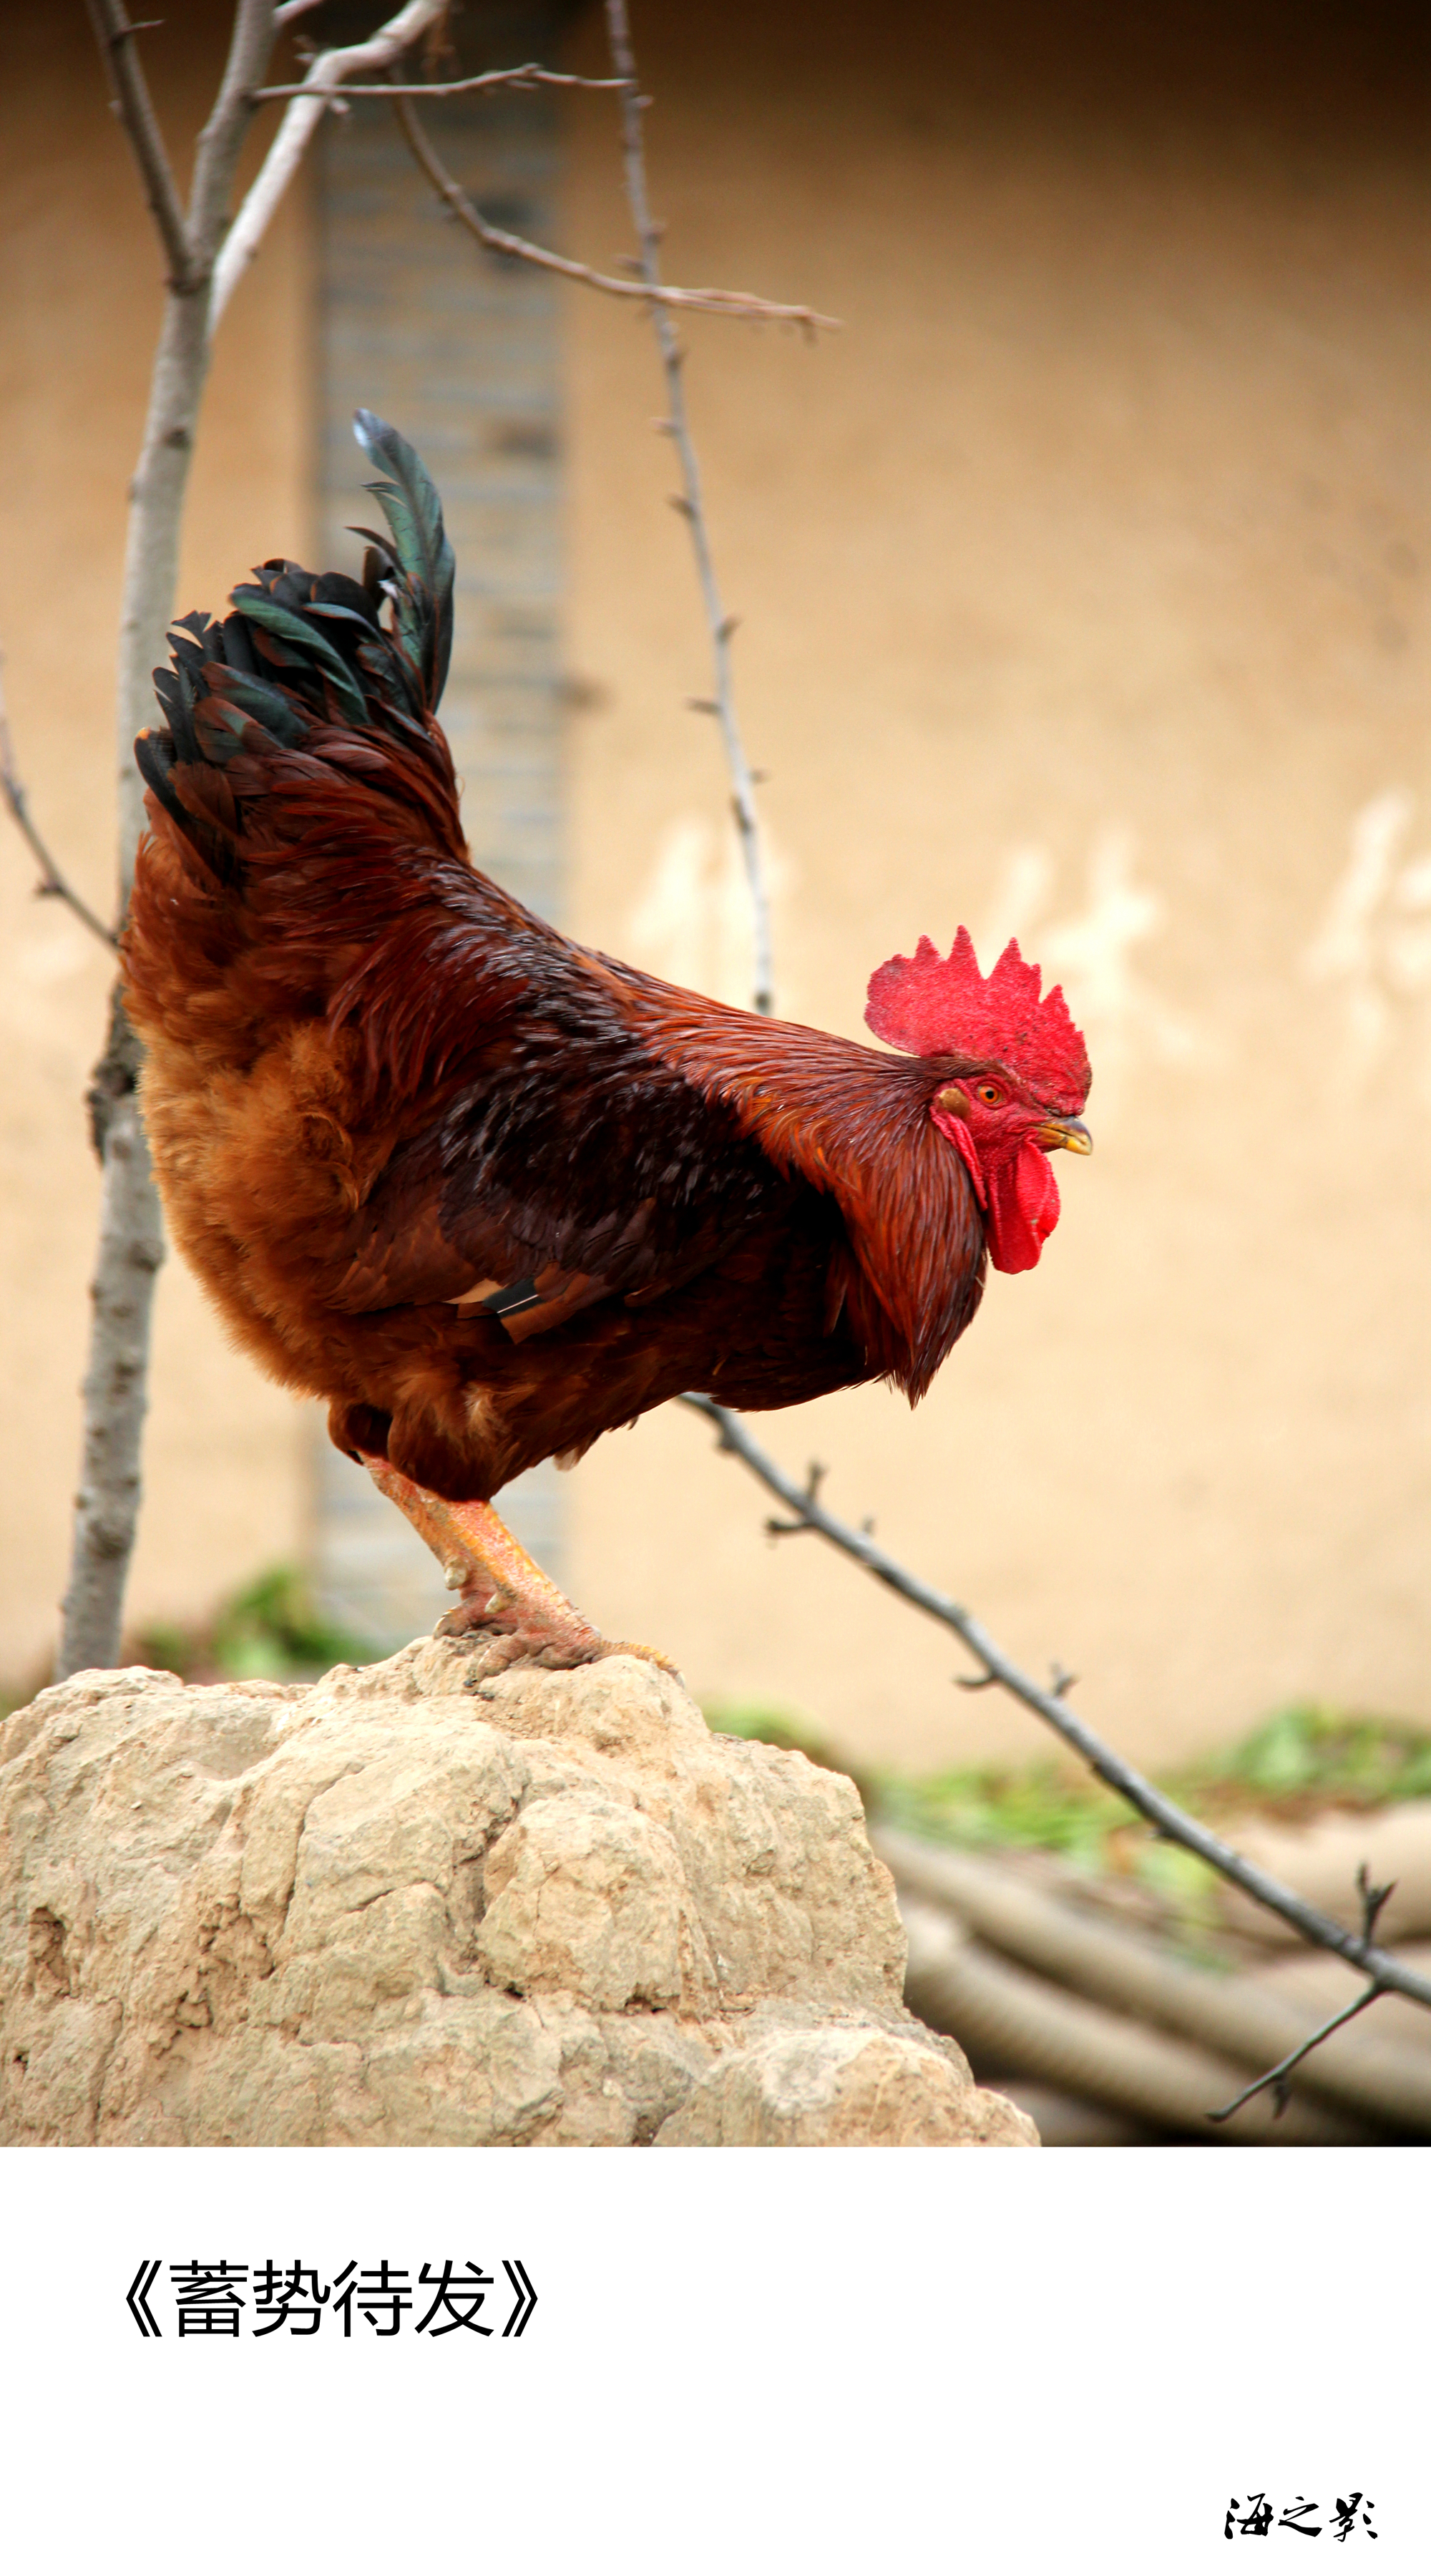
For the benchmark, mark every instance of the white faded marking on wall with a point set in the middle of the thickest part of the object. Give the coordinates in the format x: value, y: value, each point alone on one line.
x: 1374, y: 945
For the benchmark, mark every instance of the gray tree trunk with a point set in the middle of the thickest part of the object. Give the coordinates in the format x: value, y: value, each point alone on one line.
x: 131, y: 1247
x: 131, y: 1238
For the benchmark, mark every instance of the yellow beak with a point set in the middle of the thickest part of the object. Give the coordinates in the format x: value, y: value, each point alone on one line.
x: 1064, y: 1131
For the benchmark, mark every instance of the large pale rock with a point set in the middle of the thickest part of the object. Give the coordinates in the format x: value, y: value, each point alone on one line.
x: 409, y: 1906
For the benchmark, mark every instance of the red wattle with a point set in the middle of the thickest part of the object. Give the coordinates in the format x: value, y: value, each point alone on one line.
x: 1023, y: 1208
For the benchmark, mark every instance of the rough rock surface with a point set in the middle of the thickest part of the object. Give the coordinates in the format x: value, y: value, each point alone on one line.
x: 408, y: 1906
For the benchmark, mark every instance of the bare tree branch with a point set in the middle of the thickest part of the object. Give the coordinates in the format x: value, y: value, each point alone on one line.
x: 132, y: 104
x: 308, y: 106
x: 747, y: 821
x: 523, y: 76
x: 52, y: 879
x: 220, y: 143
x: 1168, y: 1820
x: 694, y: 299
x: 1275, y: 2080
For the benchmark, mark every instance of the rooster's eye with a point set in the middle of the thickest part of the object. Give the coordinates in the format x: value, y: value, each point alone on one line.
x: 990, y: 1094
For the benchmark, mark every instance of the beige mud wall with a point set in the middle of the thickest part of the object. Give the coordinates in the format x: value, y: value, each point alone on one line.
x: 1081, y: 584
x: 1082, y: 578
x: 79, y: 309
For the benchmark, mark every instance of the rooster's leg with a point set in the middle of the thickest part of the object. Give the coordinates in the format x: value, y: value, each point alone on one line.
x: 503, y: 1597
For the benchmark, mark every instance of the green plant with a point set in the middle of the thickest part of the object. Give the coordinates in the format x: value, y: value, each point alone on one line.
x: 270, y: 1631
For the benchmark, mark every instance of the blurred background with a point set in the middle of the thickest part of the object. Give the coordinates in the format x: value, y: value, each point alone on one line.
x: 1082, y: 585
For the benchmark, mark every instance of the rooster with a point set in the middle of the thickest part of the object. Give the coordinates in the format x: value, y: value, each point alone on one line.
x: 487, y: 1191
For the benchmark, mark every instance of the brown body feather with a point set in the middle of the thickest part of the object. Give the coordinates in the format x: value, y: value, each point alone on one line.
x: 377, y: 1086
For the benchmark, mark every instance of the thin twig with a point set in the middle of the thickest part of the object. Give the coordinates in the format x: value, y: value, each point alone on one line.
x: 1275, y: 2080
x: 1169, y: 1820
x: 523, y: 76
x: 1372, y: 1900
x: 304, y: 112
x: 135, y: 109
x: 52, y: 878
x: 747, y: 821
x: 693, y: 299
x: 815, y: 1475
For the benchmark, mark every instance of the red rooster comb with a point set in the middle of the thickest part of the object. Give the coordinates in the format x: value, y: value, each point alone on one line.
x: 933, y: 1005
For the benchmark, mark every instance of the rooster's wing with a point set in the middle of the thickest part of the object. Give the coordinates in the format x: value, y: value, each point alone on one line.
x: 570, y: 1162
